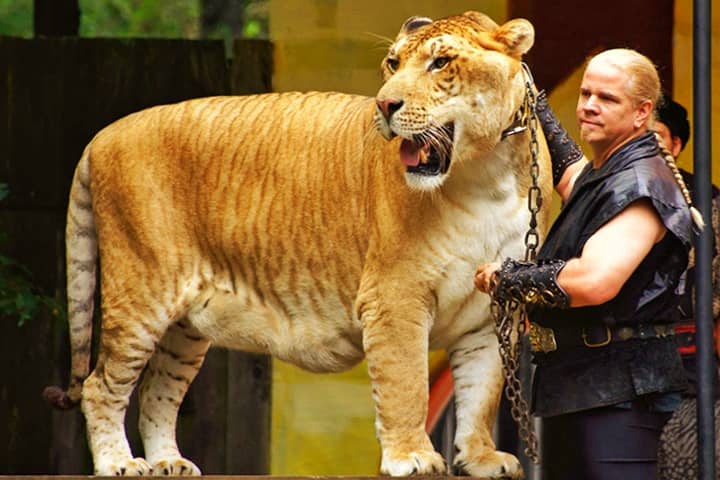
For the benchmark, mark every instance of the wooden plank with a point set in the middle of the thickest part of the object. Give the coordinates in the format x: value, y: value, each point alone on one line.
x: 248, y: 477
x: 55, y: 94
x: 58, y: 92
x: 251, y: 67
x: 247, y: 444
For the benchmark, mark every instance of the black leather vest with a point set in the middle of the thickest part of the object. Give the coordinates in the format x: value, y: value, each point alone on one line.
x: 579, y: 378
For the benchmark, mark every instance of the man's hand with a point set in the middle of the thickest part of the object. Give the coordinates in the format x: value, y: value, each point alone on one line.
x: 484, y: 276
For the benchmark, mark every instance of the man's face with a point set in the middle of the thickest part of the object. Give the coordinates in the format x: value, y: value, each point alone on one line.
x: 673, y: 144
x: 606, y: 114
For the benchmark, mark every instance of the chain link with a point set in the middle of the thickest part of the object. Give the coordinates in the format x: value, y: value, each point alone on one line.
x: 532, y: 238
x: 507, y: 312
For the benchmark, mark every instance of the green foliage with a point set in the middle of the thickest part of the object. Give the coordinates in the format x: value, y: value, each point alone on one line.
x: 16, y: 18
x: 139, y: 18
x: 19, y: 297
x: 256, y: 19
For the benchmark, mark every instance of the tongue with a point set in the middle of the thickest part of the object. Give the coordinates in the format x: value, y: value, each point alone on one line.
x: 410, y: 153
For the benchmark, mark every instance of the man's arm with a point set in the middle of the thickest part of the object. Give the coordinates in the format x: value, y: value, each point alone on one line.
x: 607, y: 261
x: 567, y: 181
x: 611, y: 255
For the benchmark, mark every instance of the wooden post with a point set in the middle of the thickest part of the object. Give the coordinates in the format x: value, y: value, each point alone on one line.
x: 56, y: 18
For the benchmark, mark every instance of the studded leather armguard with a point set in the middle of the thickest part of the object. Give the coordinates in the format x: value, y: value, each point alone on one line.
x: 531, y: 283
x: 563, y: 149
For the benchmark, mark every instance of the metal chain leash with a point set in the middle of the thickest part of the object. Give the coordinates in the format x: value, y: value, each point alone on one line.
x: 532, y: 237
x: 505, y: 311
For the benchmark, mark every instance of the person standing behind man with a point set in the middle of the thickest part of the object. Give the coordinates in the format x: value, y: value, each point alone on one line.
x: 677, y: 452
x: 601, y: 295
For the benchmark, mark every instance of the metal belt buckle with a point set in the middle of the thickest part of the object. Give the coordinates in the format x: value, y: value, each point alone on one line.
x: 542, y: 339
x: 608, y: 339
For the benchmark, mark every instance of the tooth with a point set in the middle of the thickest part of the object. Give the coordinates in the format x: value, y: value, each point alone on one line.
x: 423, y: 156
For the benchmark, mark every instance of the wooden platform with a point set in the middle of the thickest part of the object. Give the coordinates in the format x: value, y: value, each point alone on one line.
x: 237, y: 477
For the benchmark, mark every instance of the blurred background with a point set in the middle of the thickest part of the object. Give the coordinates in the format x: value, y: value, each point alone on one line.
x: 69, y: 67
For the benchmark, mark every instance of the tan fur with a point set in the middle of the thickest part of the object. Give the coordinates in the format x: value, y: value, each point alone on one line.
x: 284, y: 223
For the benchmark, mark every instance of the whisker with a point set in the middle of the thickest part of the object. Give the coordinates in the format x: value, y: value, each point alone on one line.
x: 439, y: 137
x: 383, y: 40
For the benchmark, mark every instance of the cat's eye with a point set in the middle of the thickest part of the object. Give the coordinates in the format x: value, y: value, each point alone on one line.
x: 392, y: 64
x: 439, y: 63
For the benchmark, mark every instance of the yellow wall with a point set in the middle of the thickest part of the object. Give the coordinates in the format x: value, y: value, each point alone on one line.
x: 324, y: 424
x: 683, y: 77
x: 338, y: 44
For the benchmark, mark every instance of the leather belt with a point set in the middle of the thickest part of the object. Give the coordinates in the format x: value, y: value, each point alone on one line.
x: 545, y: 340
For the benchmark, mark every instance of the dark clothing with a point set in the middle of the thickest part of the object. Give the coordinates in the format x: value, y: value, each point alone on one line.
x: 678, y: 446
x: 686, y: 300
x: 584, y: 378
x: 686, y: 321
x: 571, y: 450
x: 634, y: 172
x: 691, y: 369
x: 580, y: 378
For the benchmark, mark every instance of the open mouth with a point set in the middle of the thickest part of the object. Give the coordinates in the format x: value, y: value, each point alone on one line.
x: 428, y: 153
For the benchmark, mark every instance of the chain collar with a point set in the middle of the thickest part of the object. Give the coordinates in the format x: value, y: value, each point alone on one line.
x: 519, y: 123
x: 523, y: 115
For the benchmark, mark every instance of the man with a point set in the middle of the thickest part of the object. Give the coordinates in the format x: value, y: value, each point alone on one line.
x: 677, y: 452
x: 602, y: 294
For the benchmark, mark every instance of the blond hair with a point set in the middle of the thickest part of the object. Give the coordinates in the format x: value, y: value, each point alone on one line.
x: 643, y: 80
x: 670, y: 161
